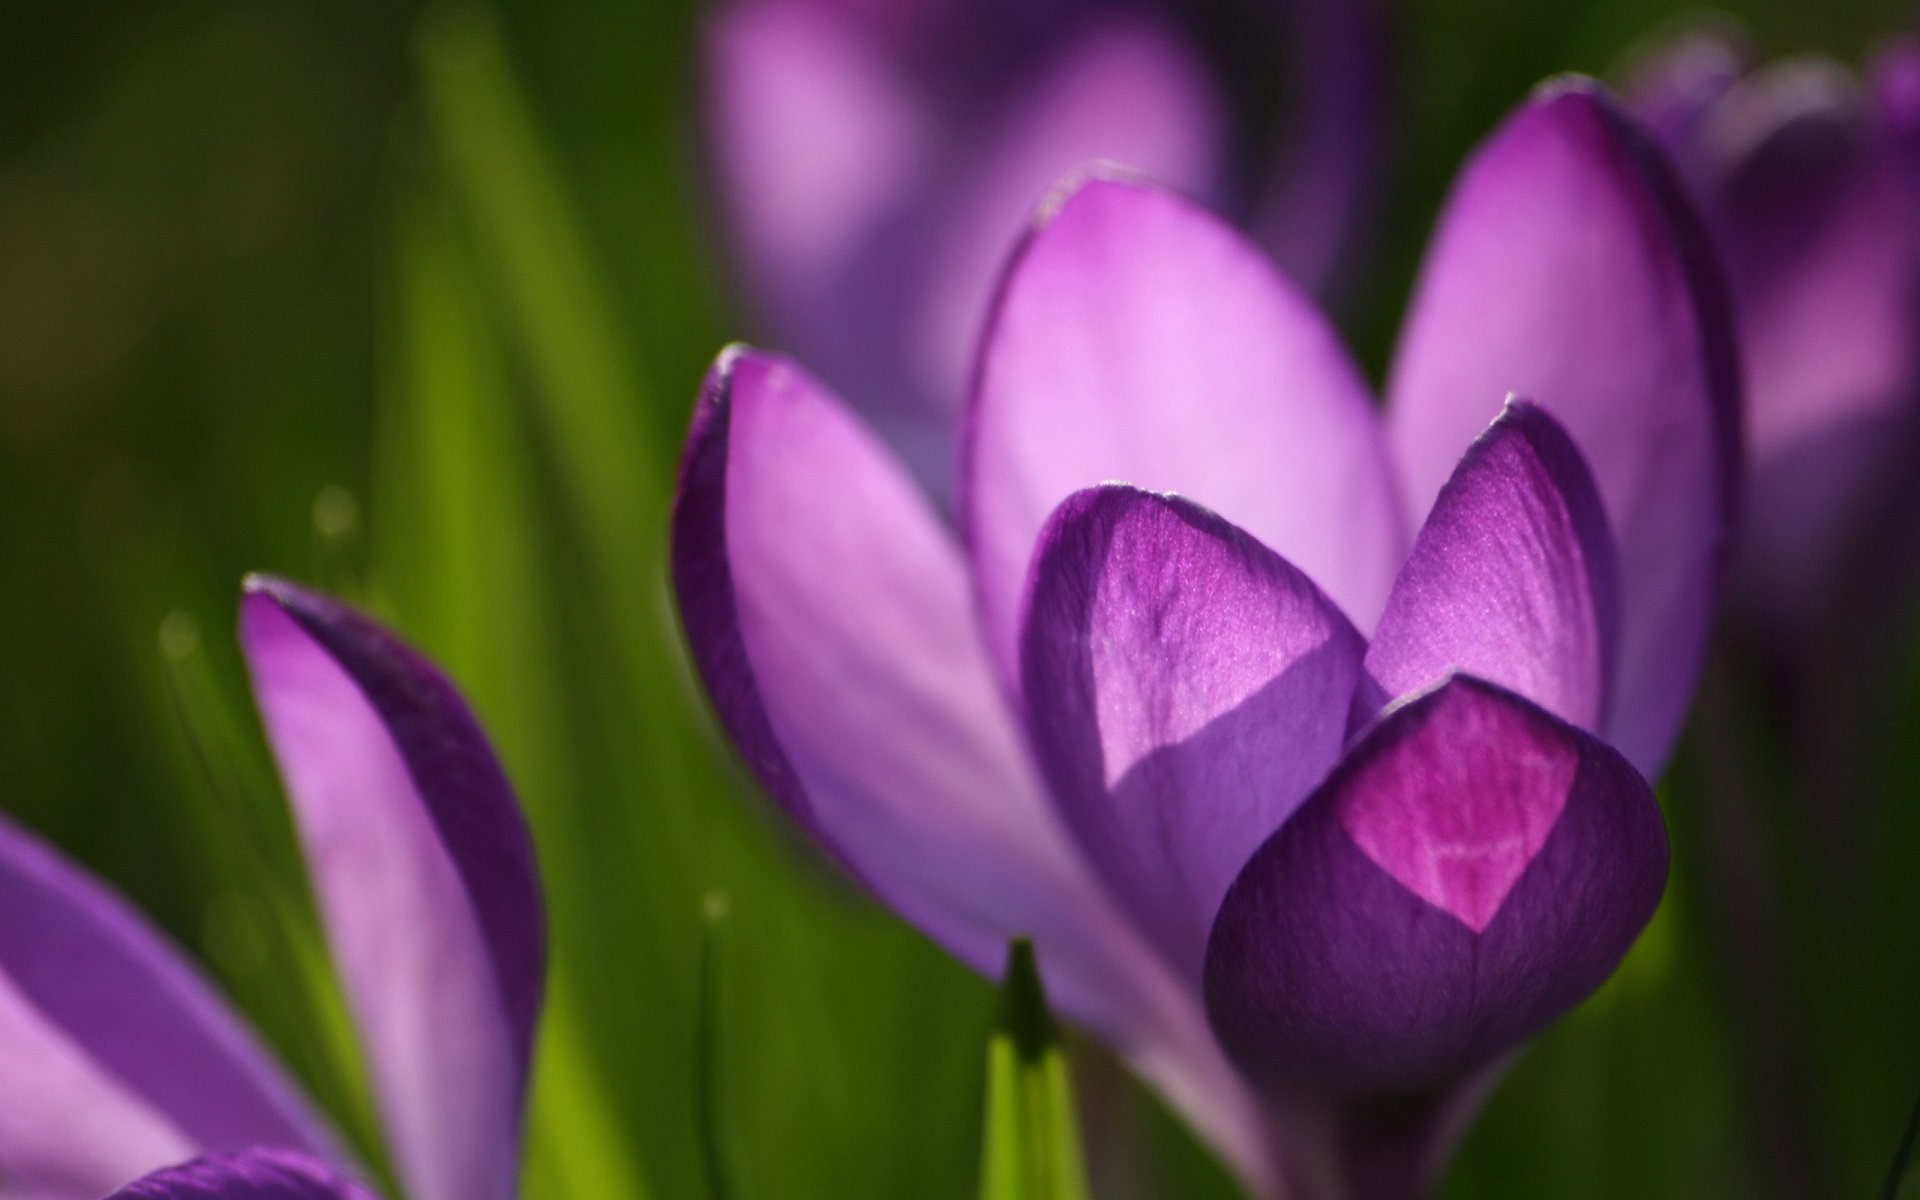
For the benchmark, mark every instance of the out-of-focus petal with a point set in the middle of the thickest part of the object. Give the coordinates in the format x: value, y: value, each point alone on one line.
x: 1138, y: 338
x: 1511, y: 579
x: 249, y: 1175
x: 115, y: 1056
x: 1814, y: 201
x: 1568, y: 268
x: 1471, y: 870
x: 827, y: 609
x: 425, y: 878
x: 817, y: 141
x: 1674, y: 85
x: 1186, y: 688
x: 1127, y: 90
x: 1320, y: 194
x: 1820, y: 226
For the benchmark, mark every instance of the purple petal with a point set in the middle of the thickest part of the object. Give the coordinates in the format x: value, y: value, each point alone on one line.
x: 1186, y: 687
x: 827, y: 610
x: 118, y: 1056
x: 1817, y: 211
x: 1674, y: 87
x: 1817, y: 218
x: 1126, y: 90
x: 425, y: 876
x: 817, y: 140
x: 1139, y: 339
x: 251, y: 1175
x: 1566, y: 268
x: 1470, y: 871
x: 1511, y: 579
x: 1323, y: 184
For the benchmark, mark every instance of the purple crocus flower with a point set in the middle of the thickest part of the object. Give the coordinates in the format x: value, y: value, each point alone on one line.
x: 1314, y: 818
x: 873, y: 157
x: 1810, y: 184
x: 120, y: 1059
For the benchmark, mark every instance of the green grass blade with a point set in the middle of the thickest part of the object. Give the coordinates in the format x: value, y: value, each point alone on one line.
x: 461, y: 555
x: 1032, y: 1137
x: 1896, y: 1184
x: 708, y: 1096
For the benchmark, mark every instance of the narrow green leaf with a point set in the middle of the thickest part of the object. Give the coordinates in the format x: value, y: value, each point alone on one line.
x: 1896, y: 1184
x: 290, y: 975
x: 460, y: 543
x: 1032, y: 1142
x: 713, y: 1144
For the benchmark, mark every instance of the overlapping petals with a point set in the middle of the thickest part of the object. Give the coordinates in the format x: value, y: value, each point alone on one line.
x: 119, y: 1057
x: 121, y: 1061
x: 827, y: 609
x: 873, y: 161
x: 425, y: 876
x: 1568, y: 269
x: 1473, y: 868
x: 1231, y: 722
x: 1185, y: 688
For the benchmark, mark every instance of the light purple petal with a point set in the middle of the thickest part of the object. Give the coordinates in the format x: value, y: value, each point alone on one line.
x: 1512, y: 578
x: 1470, y: 871
x: 1139, y: 339
x: 827, y: 610
x: 425, y: 877
x: 117, y: 1056
x: 1186, y: 687
x: 1127, y: 90
x: 251, y: 1175
x: 1567, y: 269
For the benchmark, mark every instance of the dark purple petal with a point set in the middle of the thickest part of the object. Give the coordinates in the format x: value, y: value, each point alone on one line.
x: 1470, y: 871
x: 827, y: 610
x: 1511, y: 579
x: 1567, y: 268
x: 425, y: 876
x: 1140, y: 339
x: 1186, y: 687
x: 117, y: 1056
x: 250, y: 1175
x: 1321, y: 192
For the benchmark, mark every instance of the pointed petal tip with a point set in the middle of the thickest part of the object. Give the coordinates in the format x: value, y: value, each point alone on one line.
x: 424, y: 868
x: 1186, y: 688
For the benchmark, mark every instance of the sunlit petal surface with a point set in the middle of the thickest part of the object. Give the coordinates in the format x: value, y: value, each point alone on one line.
x: 425, y: 877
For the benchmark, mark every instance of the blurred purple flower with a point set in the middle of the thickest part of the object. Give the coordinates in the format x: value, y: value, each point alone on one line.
x: 1810, y: 184
x: 1348, y: 792
x: 120, y: 1059
x: 872, y: 158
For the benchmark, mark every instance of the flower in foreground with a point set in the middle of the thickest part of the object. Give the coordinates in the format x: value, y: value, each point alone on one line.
x: 873, y: 158
x: 1313, y: 818
x: 1810, y: 184
x: 120, y: 1060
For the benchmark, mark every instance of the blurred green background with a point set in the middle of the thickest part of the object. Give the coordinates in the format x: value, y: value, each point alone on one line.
x: 412, y: 302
